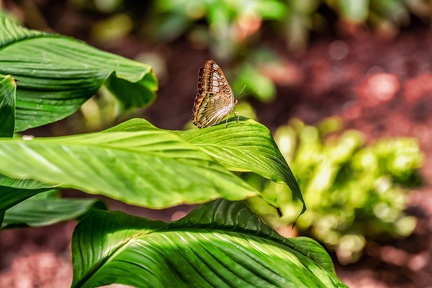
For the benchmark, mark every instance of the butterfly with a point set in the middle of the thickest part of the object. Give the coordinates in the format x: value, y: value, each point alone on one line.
x: 215, y: 99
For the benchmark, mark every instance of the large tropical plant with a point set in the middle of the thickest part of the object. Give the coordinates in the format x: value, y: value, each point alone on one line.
x: 47, y: 77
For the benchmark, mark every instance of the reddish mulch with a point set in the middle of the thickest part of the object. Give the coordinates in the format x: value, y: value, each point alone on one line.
x: 381, y: 87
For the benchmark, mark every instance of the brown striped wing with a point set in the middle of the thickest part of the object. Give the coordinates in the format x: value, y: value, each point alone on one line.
x: 215, y: 99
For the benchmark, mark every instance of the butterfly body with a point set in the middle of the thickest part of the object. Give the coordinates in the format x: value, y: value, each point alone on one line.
x: 215, y: 99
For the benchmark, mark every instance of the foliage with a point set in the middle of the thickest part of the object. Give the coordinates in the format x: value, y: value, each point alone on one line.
x: 231, y: 22
x: 221, y: 243
x: 47, y: 208
x: 7, y: 107
x: 65, y: 78
x: 143, y: 165
x: 232, y: 25
x: 354, y: 191
x: 234, y: 31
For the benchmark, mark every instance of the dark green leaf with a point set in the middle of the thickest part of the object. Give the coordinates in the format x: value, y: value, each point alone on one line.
x: 142, y: 95
x: 13, y: 191
x: 221, y: 244
x: 7, y: 106
x: 11, y: 196
x: 36, y: 212
x: 57, y: 74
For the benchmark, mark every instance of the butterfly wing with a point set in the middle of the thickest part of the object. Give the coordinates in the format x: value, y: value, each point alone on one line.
x: 213, y: 108
x: 215, y: 99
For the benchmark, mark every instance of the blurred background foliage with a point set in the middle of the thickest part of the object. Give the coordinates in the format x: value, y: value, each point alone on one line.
x: 227, y: 27
x: 234, y: 31
x: 355, y: 190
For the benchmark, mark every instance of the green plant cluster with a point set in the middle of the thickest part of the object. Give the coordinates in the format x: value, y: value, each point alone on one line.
x: 354, y: 190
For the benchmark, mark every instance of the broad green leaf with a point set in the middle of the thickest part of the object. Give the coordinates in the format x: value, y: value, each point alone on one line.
x: 150, y: 167
x: 221, y: 244
x: 249, y: 147
x: 7, y: 106
x: 57, y: 74
x: 37, y: 212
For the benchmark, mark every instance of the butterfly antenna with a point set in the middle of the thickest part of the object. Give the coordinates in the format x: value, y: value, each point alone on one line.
x: 246, y: 93
x: 241, y: 91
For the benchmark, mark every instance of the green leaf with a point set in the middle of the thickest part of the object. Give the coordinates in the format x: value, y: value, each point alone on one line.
x: 315, y: 252
x: 22, y: 183
x: 221, y: 244
x: 148, y: 167
x: 11, y: 196
x: 142, y: 95
x: 7, y: 106
x: 57, y: 74
x: 37, y: 212
x: 249, y: 147
x: 14, y: 191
